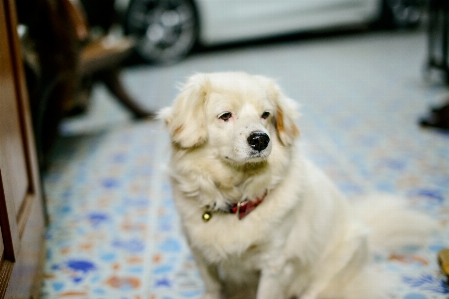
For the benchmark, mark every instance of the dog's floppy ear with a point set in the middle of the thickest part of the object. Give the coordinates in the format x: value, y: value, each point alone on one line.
x: 185, y: 119
x: 286, y: 112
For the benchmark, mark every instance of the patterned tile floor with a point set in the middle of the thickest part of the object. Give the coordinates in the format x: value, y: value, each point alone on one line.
x: 114, y: 232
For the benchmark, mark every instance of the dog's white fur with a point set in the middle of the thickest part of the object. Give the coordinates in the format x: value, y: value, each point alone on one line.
x: 305, y: 240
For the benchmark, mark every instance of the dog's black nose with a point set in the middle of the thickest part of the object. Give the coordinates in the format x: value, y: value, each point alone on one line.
x: 258, y: 141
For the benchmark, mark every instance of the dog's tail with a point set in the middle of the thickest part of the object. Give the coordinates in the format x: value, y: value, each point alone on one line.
x: 392, y: 223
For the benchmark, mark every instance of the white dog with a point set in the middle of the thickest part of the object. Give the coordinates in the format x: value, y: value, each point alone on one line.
x: 261, y: 220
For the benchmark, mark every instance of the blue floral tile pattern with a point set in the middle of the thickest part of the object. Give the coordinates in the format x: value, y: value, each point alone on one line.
x: 114, y: 230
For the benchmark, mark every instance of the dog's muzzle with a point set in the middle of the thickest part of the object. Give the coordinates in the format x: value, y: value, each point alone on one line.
x: 258, y: 141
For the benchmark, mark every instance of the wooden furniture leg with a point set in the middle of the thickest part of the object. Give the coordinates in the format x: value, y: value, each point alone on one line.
x: 111, y: 79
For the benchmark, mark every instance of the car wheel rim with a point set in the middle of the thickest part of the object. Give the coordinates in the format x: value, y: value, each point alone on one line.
x: 166, y: 29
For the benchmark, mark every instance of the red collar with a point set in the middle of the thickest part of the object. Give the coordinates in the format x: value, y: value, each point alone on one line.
x: 245, y: 207
x: 242, y: 208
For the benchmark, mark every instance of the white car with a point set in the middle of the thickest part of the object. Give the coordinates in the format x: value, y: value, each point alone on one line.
x: 168, y: 29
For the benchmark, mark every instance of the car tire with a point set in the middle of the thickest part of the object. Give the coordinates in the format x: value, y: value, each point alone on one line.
x: 401, y: 13
x: 166, y: 30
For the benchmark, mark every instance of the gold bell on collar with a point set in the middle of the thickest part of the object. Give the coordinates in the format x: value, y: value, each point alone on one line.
x: 207, y: 216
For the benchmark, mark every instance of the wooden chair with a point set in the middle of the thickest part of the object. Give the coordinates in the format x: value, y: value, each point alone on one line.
x: 63, y: 62
x: 100, y: 59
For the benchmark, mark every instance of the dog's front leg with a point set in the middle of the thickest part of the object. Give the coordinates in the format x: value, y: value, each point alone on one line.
x: 270, y: 285
x: 275, y: 278
x: 209, y: 274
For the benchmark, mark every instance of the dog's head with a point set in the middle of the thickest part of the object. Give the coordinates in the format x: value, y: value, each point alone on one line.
x: 238, y: 115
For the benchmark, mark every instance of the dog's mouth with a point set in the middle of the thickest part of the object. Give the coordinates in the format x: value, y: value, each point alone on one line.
x: 251, y: 157
x: 256, y: 156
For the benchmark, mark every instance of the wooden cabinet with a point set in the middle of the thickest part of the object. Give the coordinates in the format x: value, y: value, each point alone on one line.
x: 21, y: 212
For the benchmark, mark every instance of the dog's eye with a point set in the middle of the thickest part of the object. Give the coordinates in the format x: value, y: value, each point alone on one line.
x: 225, y: 116
x: 265, y: 115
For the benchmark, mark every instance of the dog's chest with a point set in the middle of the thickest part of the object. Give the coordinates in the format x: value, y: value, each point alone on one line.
x: 246, y: 242
x: 245, y: 260
x: 249, y: 260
